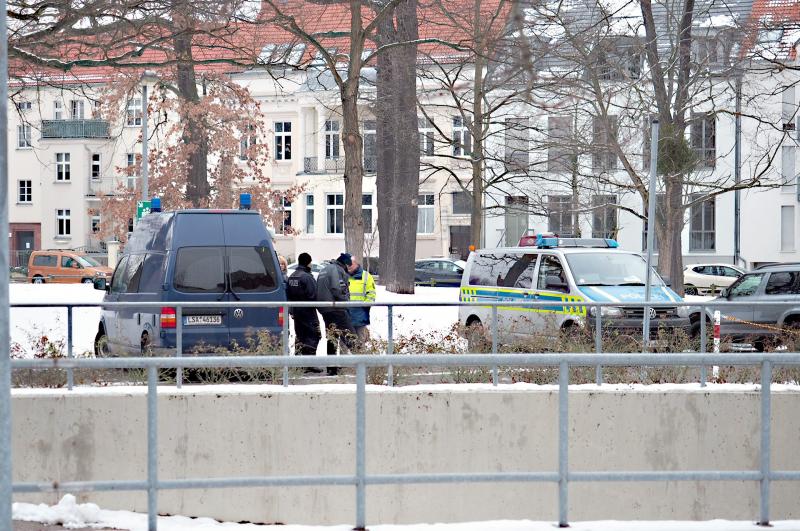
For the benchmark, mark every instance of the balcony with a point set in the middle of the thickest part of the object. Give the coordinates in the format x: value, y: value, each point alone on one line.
x: 55, y: 129
x: 99, y: 187
x: 312, y: 165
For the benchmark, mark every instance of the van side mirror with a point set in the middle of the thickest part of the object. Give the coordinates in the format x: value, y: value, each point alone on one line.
x: 554, y: 282
x: 101, y: 284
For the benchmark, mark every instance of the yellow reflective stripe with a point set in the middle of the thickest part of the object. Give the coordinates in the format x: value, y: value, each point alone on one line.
x: 472, y: 295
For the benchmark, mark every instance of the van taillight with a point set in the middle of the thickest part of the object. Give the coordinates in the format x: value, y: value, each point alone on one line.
x: 168, y: 317
x: 280, y: 316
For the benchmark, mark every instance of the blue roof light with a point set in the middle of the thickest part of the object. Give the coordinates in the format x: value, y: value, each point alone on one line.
x: 155, y: 204
x: 544, y: 242
x: 613, y: 244
x: 245, y: 201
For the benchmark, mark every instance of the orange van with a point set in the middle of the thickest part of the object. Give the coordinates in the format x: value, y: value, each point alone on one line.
x: 63, y: 266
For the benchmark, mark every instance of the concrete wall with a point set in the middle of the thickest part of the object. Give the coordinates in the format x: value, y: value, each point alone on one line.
x: 268, y: 430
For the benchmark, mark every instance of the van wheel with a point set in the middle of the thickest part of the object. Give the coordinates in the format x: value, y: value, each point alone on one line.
x: 476, y: 335
x: 87, y: 281
x: 38, y: 279
x: 101, y: 344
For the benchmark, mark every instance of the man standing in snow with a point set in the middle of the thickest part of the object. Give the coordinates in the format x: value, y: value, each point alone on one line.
x: 301, y: 286
x: 362, y: 288
x: 333, y: 285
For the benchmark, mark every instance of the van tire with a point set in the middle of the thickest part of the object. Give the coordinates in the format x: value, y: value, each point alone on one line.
x: 38, y: 279
x: 101, y: 343
x: 87, y: 281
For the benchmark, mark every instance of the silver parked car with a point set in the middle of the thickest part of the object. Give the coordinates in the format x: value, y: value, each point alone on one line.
x: 758, y: 324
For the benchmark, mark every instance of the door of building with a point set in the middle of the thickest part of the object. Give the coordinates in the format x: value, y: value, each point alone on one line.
x: 24, y: 246
x: 459, y: 241
x: 516, y: 219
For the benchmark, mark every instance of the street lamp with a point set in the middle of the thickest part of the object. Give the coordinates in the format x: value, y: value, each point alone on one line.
x: 148, y: 76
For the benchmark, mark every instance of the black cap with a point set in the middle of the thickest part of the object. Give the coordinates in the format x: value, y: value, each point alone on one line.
x: 346, y: 259
x: 304, y: 259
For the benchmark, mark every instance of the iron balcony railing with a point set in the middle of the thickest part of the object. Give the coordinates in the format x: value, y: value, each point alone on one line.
x: 54, y: 129
x: 335, y: 165
x: 562, y: 475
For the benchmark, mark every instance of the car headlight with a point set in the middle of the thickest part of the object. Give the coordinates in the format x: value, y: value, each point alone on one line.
x: 607, y: 311
x: 100, y: 274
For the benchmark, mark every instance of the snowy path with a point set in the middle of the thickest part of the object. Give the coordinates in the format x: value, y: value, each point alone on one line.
x: 72, y: 514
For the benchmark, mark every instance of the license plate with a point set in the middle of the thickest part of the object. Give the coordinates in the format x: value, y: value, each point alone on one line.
x: 202, y: 320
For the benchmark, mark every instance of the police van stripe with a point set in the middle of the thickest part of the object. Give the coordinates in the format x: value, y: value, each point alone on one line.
x: 472, y: 294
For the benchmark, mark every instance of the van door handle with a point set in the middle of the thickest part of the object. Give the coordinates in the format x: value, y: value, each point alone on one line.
x: 138, y: 318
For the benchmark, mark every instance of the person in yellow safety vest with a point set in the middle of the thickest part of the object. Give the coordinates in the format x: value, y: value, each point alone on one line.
x: 362, y: 288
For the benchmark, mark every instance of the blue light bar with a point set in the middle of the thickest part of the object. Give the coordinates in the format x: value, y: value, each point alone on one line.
x: 245, y: 201
x: 543, y: 242
x: 155, y: 204
x: 613, y: 244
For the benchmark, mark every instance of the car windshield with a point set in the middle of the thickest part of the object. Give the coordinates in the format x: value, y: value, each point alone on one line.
x: 87, y: 261
x: 610, y: 269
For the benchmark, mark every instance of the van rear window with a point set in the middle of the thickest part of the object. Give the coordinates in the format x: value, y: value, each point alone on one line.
x: 200, y: 270
x: 252, y: 269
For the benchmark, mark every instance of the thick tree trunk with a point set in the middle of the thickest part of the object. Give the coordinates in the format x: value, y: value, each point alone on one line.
x: 194, y: 136
x: 354, y: 174
x: 477, y: 155
x: 398, y: 150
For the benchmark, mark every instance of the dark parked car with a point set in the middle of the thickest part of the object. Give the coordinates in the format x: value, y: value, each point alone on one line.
x: 438, y: 272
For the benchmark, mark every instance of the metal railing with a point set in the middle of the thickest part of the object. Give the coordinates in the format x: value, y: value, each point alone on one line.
x: 75, y: 129
x: 360, y: 479
x: 335, y: 165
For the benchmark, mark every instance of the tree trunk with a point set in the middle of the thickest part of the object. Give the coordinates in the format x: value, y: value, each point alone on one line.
x: 354, y: 173
x: 194, y: 135
x: 398, y: 150
x: 477, y: 131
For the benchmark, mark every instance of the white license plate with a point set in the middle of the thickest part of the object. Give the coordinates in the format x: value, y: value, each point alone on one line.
x: 202, y: 320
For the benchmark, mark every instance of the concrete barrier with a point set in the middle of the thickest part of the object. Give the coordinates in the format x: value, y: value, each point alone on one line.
x: 99, y: 434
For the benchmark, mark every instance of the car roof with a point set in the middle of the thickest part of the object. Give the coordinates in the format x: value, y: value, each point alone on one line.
x: 792, y: 266
x: 714, y: 264
x: 565, y: 250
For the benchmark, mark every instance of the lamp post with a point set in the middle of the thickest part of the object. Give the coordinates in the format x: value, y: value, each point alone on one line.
x: 147, y: 77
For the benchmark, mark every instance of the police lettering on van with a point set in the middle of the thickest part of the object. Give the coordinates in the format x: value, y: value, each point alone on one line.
x: 562, y: 271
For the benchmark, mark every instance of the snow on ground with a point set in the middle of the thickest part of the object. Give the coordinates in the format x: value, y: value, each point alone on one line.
x: 72, y: 515
x: 30, y: 324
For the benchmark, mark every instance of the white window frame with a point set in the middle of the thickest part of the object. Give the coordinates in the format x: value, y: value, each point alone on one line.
x: 462, y: 140
x: 133, y: 112
x: 95, y: 166
x: 309, y: 214
x: 370, y: 208
x: 131, y: 177
x: 702, y: 232
x: 63, y: 167
x: 703, y: 138
x: 787, y: 229
x: 24, y: 140
x: 337, y: 209
x: 283, y: 138
x: 58, y: 110
x: 427, y: 136
x: 24, y: 105
x: 286, y: 215
x: 426, y: 213
x: 25, y: 191
x: 333, y: 138
x: 77, y: 109
x: 247, y: 141
x: 94, y: 224
x: 63, y: 223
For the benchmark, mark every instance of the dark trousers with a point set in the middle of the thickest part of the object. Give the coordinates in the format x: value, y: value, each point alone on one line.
x: 306, y: 331
x: 339, y: 327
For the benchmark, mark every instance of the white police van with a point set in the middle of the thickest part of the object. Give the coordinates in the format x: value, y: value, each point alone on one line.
x: 562, y: 270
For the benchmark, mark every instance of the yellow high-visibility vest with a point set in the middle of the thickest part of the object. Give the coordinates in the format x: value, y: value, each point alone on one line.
x: 362, y: 289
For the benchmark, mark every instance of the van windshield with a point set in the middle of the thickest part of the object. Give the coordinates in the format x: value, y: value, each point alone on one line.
x: 610, y: 269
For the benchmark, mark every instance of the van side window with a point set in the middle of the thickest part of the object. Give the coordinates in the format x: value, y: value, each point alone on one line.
x: 69, y: 262
x: 521, y: 273
x: 45, y: 260
x: 491, y: 269
x: 118, y: 281
x: 200, y: 270
x: 134, y: 272
x: 252, y: 269
x: 550, y: 266
x: 152, y: 273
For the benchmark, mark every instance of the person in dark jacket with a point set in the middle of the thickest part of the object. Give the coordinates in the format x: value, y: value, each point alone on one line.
x: 301, y: 286
x: 333, y: 285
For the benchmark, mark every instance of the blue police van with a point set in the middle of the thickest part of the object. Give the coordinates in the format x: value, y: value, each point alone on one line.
x: 191, y: 256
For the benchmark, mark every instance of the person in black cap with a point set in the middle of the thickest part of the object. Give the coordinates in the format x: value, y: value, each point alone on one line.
x: 333, y: 285
x: 301, y: 286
